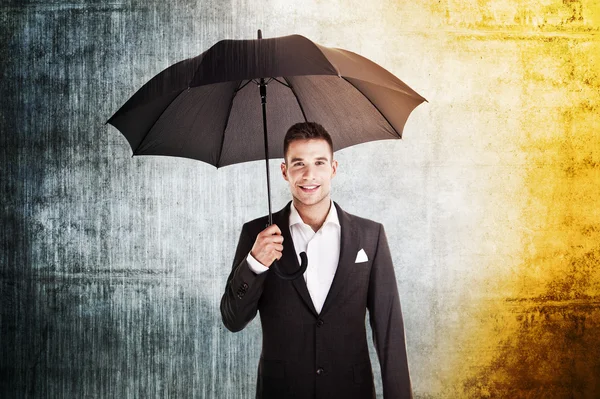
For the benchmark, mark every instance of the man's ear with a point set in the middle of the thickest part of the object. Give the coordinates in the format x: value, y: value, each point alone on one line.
x: 284, y: 171
x: 334, y: 166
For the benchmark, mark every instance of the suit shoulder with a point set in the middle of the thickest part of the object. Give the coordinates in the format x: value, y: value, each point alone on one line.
x: 256, y: 225
x: 364, y: 223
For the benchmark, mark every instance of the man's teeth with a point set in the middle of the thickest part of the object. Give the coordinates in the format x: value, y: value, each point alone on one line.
x: 309, y: 187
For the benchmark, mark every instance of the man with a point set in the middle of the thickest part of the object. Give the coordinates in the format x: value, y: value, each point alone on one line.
x: 314, y: 337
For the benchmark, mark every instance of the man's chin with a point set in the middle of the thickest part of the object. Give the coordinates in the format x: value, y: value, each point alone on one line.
x: 309, y: 201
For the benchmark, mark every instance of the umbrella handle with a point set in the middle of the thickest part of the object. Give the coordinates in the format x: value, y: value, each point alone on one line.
x: 296, y: 274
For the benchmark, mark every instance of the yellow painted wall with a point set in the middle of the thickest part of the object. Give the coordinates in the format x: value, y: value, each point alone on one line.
x: 514, y: 91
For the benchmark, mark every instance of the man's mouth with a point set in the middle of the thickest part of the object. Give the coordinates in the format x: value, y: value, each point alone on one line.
x: 309, y: 188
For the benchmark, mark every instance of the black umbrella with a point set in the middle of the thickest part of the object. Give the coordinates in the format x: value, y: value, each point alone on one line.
x: 206, y: 107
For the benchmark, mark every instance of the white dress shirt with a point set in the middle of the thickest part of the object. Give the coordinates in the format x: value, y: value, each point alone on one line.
x: 322, y: 250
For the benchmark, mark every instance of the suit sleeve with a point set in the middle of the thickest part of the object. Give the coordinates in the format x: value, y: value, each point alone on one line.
x: 385, y: 317
x: 239, y: 303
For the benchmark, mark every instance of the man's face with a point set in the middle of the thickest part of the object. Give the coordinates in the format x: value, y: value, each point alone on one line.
x: 308, y: 169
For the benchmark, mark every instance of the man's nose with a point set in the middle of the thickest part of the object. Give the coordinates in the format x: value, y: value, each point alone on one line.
x: 309, y: 172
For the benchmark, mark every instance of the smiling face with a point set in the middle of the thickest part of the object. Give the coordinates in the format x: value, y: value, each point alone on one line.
x: 309, y: 168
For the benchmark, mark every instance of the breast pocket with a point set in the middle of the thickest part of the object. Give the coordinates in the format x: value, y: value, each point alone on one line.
x: 360, y: 274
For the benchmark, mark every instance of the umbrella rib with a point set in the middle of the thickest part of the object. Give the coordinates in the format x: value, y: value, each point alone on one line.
x: 244, y: 85
x: 159, y: 116
x: 240, y: 87
x: 279, y: 81
x: 380, y: 113
x: 295, y: 95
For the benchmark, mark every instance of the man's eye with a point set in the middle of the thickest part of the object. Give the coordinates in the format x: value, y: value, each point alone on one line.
x: 320, y: 163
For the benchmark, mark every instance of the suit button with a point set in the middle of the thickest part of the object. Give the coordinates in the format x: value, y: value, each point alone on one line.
x: 320, y: 323
x: 320, y: 371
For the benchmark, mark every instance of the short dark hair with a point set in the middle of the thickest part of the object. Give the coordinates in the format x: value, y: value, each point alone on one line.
x: 306, y: 131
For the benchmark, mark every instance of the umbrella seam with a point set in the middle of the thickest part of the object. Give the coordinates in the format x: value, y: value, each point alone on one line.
x: 414, y: 94
x: 235, y: 92
x: 154, y: 124
x: 296, y: 96
x: 374, y: 106
x: 318, y: 46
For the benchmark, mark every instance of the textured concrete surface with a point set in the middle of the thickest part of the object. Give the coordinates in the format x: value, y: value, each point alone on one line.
x: 112, y: 267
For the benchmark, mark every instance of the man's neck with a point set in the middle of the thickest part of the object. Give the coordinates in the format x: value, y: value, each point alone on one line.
x: 313, y: 215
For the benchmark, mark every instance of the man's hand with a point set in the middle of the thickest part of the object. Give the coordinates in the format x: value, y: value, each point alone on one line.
x: 267, y: 247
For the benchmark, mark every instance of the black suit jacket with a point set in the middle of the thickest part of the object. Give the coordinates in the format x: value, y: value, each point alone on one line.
x: 310, y: 355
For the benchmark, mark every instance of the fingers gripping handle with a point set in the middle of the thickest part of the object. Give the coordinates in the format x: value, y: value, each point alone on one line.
x: 294, y: 275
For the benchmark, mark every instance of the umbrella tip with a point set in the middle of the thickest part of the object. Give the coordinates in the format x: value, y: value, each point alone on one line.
x: 259, y: 34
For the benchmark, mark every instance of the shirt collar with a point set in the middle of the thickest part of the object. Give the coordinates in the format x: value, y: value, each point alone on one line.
x: 332, y: 216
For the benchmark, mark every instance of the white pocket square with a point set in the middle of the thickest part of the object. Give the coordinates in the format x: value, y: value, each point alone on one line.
x: 361, y: 256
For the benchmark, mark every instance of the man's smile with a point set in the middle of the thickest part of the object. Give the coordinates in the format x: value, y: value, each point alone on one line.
x: 309, y: 188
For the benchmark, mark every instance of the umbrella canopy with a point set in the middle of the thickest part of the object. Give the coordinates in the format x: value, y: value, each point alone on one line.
x: 207, y: 107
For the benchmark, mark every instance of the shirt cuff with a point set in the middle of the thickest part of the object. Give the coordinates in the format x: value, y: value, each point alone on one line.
x: 255, y: 265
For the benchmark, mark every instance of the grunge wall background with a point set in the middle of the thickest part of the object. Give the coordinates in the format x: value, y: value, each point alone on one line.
x: 112, y: 267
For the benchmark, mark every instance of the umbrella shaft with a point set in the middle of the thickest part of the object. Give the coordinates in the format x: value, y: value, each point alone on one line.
x: 263, y: 100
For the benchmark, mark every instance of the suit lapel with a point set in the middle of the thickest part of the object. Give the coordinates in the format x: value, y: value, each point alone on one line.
x: 289, y: 259
x: 349, y: 245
